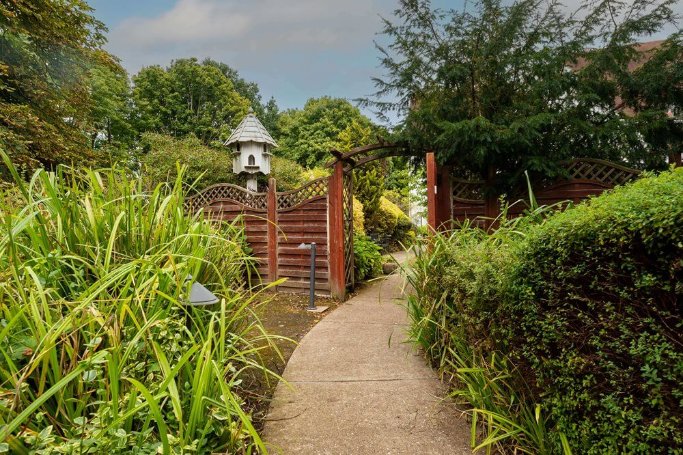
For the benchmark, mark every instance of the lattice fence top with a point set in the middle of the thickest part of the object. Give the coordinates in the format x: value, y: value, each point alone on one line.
x: 609, y: 174
x: 468, y: 190
x: 227, y: 191
x: 313, y: 189
x: 601, y: 171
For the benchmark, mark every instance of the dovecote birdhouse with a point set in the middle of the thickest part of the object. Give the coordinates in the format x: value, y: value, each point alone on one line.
x: 251, y: 145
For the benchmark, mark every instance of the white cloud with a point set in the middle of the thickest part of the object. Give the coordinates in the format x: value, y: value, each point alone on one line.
x: 189, y: 20
x: 248, y: 30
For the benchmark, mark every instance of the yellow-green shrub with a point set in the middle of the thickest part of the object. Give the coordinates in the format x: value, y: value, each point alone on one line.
x: 388, y: 225
x: 358, y: 217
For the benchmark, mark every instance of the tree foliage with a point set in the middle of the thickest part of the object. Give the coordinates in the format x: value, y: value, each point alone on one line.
x: 204, y: 165
x: 499, y: 87
x: 46, y: 48
x: 307, y: 135
x: 109, y: 122
x: 188, y: 97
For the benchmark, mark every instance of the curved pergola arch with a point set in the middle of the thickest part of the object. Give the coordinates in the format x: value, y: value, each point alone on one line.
x: 363, y: 155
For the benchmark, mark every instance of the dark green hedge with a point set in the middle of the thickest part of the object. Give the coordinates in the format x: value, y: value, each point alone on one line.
x: 594, y: 314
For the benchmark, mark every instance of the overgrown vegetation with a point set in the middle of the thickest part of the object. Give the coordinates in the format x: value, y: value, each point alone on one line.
x: 563, y: 333
x: 100, y: 353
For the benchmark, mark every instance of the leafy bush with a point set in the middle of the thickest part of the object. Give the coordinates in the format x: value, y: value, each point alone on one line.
x: 369, y: 187
x: 99, y: 352
x: 596, y: 306
x: 457, y: 280
x: 367, y: 257
x: 401, y: 200
x: 289, y: 174
x: 388, y: 225
x: 564, y: 332
x: 163, y: 153
x: 358, y: 217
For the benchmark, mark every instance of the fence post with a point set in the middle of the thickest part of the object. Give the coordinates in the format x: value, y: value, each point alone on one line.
x: 272, y: 230
x: 431, y: 192
x: 444, y: 198
x: 335, y: 227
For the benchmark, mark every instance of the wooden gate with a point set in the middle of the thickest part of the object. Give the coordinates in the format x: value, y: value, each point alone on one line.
x: 276, y: 223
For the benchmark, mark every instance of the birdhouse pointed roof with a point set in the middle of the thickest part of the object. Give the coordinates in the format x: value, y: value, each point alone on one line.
x: 251, y: 129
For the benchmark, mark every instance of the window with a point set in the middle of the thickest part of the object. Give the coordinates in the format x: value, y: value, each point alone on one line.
x: 265, y: 148
x: 238, y: 147
x: 251, y: 161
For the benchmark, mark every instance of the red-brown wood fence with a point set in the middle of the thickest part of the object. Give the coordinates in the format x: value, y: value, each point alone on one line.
x: 456, y: 200
x: 276, y: 223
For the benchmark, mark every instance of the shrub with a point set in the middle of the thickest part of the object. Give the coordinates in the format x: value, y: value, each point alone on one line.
x: 358, y: 217
x: 388, y: 225
x: 163, y: 153
x: 289, y: 174
x: 368, y: 188
x: 401, y: 200
x: 367, y: 257
x: 99, y: 352
x: 457, y: 281
x: 564, y: 332
x: 595, y: 313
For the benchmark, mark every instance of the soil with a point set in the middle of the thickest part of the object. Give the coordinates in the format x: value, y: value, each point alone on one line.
x: 283, y: 316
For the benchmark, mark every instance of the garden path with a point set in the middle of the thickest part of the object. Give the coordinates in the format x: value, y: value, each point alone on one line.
x: 356, y: 387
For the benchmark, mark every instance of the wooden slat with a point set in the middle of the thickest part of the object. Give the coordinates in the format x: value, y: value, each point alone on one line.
x: 322, y: 274
x: 323, y: 286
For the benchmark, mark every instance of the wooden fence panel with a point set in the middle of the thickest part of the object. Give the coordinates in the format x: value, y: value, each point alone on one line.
x: 276, y: 223
x: 586, y: 178
x: 304, y: 224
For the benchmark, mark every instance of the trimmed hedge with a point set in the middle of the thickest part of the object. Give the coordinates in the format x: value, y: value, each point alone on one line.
x: 595, y: 314
x: 586, y: 308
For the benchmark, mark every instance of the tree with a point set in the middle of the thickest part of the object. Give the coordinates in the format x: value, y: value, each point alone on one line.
x: 46, y: 48
x: 492, y: 88
x: 307, y: 135
x: 188, y: 97
x: 110, y: 108
x: 270, y: 117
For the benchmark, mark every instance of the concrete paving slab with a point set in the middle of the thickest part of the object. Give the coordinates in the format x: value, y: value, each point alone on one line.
x: 355, y: 387
x: 398, y: 417
x: 368, y: 312
x: 385, y: 355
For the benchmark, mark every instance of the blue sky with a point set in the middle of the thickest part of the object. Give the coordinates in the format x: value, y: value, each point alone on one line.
x: 294, y: 49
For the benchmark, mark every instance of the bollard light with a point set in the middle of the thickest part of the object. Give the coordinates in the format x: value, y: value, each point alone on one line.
x: 311, y: 300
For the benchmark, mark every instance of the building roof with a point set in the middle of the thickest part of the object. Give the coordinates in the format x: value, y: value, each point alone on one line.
x: 644, y: 51
x: 250, y: 129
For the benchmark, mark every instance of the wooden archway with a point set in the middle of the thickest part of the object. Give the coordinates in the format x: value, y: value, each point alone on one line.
x: 341, y: 200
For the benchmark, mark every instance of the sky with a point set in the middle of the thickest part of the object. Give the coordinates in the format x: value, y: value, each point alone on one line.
x: 293, y: 49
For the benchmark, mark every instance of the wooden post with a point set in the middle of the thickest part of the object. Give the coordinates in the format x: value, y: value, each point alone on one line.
x: 272, y: 231
x: 431, y: 192
x: 335, y: 232
x: 444, y: 198
x: 491, y: 208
